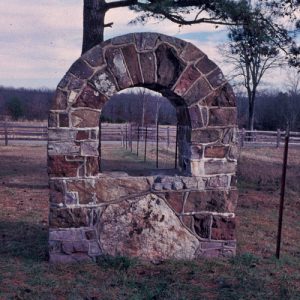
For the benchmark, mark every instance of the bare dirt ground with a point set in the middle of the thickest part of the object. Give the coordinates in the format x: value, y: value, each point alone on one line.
x: 253, y: 274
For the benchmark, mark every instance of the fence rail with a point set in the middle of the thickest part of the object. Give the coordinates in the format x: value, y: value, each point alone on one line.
x: 126, y: 133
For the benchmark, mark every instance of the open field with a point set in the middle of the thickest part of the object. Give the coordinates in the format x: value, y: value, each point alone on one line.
x: 253, y: 274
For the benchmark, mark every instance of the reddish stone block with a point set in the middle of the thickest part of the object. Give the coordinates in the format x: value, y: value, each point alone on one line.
x: 94, y: 57
x: 222, y: 98
x: 205, y: 135
x: 222, y: 117
x: 91, y: 98
x: 202, y: 226
x: 91, y: 166
x: 60, y: 100
x: 82, y: 135
x: 189, y: 76
x: 63, y: 120
x: 81, y: 69
x: 191, y: 53
x: 85, y: 118
x: 169, y: 66
x: 56, y: 192
x: 148, y: 67
x: 205, y: 65
x: 175, y: 42
x: 117, y: 66
x: 197, y: 92
x: 216, y: 78
x: 215, y: 151
x: 132, y: 63
x: 223, y: 228
x: 175, y: 200
x: 69, y: 217
x: 59, y: 167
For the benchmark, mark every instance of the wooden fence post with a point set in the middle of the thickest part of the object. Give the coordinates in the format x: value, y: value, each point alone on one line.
x: 130, y: 136
x: 145, y: 152
x: 138, y: 141
x: 157, y: 143
x: 126, y: 135
x: 168, y: 136
x: 278, y: 138
x: 242, y: 137
x: 176, y: 145
x: 5, y: 133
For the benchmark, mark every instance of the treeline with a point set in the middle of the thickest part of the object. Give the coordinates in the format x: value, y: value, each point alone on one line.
x: 25, y: 104
x: 273, y: 110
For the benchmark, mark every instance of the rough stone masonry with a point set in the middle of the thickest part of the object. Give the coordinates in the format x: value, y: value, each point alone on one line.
x: 158, y: 217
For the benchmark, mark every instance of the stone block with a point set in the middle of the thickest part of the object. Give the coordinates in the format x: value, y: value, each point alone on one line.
x: 223, y: 228
x: 189, y: 76
x: 222, y: 117
x: 196, y: 152
x: 148, y: 67
x: 88, y: 148
x: 63, y: 120
x: 54, y: 246
x: 205, y: 65
x: 91, y: 166
x: 206, y: 135
x: 75, y: 84
x: 223, y: 97
x: 117, y: 66
x: 174, y: 42
x: 175, y: 200
x: 233, y: 153
x: 90, y: 234
x: 53, y: 120
x: 169, y: 66
x: 214, y: 201
x: 59, y: 167
x: 145, y: 41
x: 191, y: 53
x: 123, y: 39
x: 61, y: 134
x: 90, y: 98
x: 216, y: 151
x: 105, y: 83
x: 132, y: 63
x: 94, y: 56
x: 84, y: 188
x: 69, y: 217
x: 81, y: 246
x: 198, y: 116
x: 67, y: 247
x: 217, y: 182
x: 82, y: 135
x: 70, y: 234
x: 81, y: 69
x: 71, y: 198
x: 198, y: 91
x: 63, y: 148
x: 216, y: 78
x: 219, y: 167
x: 202, y: 226
x: 83, y: 118
x: 60, y: 100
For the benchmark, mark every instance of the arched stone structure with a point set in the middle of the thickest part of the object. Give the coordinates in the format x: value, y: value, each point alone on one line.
x: 153, y: 217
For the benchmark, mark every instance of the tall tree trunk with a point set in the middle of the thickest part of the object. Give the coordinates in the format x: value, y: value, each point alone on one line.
x: 93, y: 23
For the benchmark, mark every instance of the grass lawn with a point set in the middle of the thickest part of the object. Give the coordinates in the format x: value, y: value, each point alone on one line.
x: 253, y: 274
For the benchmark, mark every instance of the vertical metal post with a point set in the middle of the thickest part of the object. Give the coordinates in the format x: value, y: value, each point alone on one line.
x: 282, y: 191
x: 145, y: 152
x: 5, y: 133
x: 278, y: 138
x: 157, y: 143
x: 126, y: 135
x: 138, y: 141
x: 176, y: 145
x: 168, y: 136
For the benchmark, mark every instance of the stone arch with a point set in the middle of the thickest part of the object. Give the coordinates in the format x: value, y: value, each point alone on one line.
x: 205, y: 103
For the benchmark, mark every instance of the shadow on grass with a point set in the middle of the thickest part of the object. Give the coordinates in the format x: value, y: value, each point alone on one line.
x: 24, y: 240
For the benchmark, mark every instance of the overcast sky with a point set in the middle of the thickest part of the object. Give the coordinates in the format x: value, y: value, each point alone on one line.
x: 40, y: 39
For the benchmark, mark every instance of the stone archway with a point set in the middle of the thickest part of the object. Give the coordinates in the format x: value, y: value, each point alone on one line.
x: 153, y: 217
